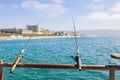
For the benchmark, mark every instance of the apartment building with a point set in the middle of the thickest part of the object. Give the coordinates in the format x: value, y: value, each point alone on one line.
x: 34, y: 28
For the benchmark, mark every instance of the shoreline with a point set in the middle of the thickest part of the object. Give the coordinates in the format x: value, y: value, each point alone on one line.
x: 37, y: 37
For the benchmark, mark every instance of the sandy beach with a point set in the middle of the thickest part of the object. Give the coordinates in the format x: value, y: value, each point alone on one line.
x: 34, y: 37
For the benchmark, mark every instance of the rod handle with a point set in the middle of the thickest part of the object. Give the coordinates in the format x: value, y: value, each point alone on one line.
x: 78, y: 60
x: 18, y: 59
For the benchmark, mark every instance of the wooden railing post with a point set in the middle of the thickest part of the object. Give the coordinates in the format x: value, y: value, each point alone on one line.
x: 1, y: 70
x: 111, y: 74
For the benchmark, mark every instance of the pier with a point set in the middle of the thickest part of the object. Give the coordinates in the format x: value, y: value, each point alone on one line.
x: 110, y: 68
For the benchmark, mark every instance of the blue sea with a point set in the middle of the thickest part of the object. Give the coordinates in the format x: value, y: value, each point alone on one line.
x: 93, y: 50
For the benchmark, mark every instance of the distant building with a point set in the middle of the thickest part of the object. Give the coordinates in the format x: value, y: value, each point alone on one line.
x: 13, y: 30
x: 25, y: 31
x: 34, y: 28
x: 51, y: 32
x: 73, y: 34
x: 0, y: 31
x: 61, y: 33
x: 19, y: 31
x: 47, y: 32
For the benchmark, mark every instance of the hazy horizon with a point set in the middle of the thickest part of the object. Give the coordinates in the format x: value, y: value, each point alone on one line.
x: 102, y: 32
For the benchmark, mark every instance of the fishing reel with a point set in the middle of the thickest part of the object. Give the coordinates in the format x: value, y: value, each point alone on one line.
x: 75, y: 58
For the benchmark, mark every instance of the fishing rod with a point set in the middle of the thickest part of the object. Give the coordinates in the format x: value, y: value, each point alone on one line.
x: 19, y: 58
x: 77, y: 57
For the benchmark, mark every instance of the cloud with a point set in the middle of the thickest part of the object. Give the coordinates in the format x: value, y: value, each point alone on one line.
x: 98, y: 15
x: 58, y: 1
x: 104, y: 16
x: 112, y: 13
x: 96, y: 6
x: 50, y: 9
x: 2, y: 6
x: 97, y: 0
x: 116, y: 8
x: 35, y: 5
x: 57, y: 9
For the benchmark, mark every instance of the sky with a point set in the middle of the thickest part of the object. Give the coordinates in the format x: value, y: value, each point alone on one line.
x: 57, y: 14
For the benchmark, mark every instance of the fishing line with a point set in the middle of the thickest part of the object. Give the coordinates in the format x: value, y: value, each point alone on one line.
x: 19, y: 58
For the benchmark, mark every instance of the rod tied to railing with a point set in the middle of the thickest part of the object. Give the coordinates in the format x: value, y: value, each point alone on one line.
x: 77, y: 57
x: 19, y: 58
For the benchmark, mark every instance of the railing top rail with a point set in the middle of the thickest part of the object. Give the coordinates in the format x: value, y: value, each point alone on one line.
x: 63, y: 66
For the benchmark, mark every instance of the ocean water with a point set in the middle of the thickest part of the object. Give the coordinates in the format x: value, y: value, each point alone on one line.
x: 93, y: 50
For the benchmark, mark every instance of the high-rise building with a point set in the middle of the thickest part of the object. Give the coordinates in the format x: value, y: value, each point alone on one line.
x: 34, y: 28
